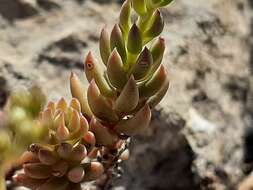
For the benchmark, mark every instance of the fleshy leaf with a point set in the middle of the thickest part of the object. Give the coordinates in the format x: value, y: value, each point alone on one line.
x: 125, y: 17
x: 153, y: 85
x: 157, y: 50
x: 103, y: 134
x: 140, y: 6
x: 79, y: 152
x: 26, y: 181
x: 134, y: 44
x: 154, y: 100
x: 37, y: 170
x: 54, y: 184
x: 95, y: 71
x: 79, y: 92
x: 166, y: 2
x: 47, y: 157
x: 115, y: 70
x: 117, y: 41
x: 128, y: 98
x: 76, y: 174
x: 143, y: 64
x: 104, y: 45
x: 156, y: 26
x: 75, y: 104
x: 99, y: 105
x: 135, y: 124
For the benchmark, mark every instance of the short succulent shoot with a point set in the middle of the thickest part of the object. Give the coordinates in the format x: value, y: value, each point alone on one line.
x: 85, y: 139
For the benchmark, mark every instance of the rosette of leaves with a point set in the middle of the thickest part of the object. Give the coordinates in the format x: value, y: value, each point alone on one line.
x: 62, y: 161
x: 22, y: 112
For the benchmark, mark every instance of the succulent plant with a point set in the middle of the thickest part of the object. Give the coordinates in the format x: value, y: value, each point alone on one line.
x: 62, y: 161
x: 131, y: 80
x: 19, y: 127
x: 86, y: 139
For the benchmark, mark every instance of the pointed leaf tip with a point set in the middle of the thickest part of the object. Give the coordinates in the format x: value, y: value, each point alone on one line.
x: 75, y: 104
x: 95, y: 71
x: 143, y: 64
x: 156, y: 26
x: 134, y: 44
x: 156, y: 99
x: 79, y: 92
x: 62, y: 104
x: 104, y: 45
x: 117, y: 40
x: 115, y: 70
x: 125, y: 17
x: 153, y: 85
x: 89, y: 62
x: 128, y: 98
x: 100, y: 105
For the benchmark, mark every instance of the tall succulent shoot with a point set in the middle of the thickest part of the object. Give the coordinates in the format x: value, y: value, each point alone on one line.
x: 85, y: 139
x: 130, y: 80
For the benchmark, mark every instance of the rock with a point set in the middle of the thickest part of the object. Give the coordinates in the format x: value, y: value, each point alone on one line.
x: 19, y: 9
x: 209, y: 56
x: 3, y: 91
x: 161, y: 157
x: 247, y: 184
x: 64, y: 53
x: 47, y: 4
x: 200, y: 124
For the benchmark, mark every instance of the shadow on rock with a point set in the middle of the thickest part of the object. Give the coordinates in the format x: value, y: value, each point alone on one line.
x: 16, y: 9
x: 3, y: 91
x: 161, y: 157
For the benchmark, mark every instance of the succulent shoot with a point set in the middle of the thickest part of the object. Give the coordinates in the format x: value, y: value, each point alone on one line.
x: 85, y: 139
x: 130, y: 79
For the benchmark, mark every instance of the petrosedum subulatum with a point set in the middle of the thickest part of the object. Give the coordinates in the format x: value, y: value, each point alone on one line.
x: 86, y: 139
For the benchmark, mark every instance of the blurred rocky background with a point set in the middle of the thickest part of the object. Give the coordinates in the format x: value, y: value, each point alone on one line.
x: 201, y: 136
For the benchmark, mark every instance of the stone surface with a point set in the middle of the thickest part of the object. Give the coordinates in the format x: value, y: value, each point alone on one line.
x: 209, y: 56
x: 162, y: 158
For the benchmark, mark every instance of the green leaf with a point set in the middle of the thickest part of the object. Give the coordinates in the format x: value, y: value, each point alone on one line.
x: 115, y: 70
x: 136, y: 124
x: 95, y: 71
x: 128, y: 98
x: 155, y: 28
x: 125, y: 17
x: 143, y: 64
x: 166, y: 2
x: 139, y: 6
x: 117, y: 41
x: 104, y: 45
x: 79, y: 92
x: 134, y: 44
x: 153, y: 85
x: 154, y: 100
x: 157, y: 50
x: 100, y: 106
